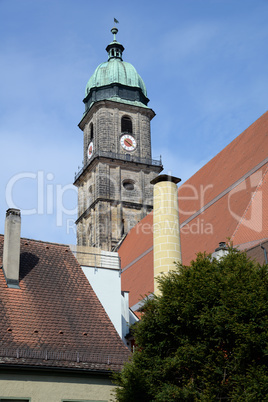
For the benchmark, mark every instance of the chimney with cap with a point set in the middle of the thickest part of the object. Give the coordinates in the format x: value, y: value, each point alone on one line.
x: 220, y: 251
x: 11, y: 254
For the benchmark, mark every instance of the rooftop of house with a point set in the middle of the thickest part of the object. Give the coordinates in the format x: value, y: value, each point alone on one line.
x: 55, y: 320
x: 256, y: 251
x: 226, y: 199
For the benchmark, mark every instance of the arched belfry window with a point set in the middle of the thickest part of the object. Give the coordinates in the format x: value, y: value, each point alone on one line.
x: 126, y: 125
x: 91, y: 132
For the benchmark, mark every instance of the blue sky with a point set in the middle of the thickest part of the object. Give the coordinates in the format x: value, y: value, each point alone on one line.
x: 204, y: 63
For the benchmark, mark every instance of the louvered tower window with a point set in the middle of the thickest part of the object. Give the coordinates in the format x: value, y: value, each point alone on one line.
x: 126, y: 125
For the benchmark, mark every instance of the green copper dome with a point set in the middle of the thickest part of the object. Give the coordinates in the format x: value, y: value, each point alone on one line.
x: 115, y: 80
x: 115, y: 71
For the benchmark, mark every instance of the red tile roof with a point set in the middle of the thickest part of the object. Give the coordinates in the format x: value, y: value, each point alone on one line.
x: 254, y: 222
x: 55, y: 319
x: 258, y: 252
x: 214, y: 204
x: 217, y: 223
x: 137, y: 261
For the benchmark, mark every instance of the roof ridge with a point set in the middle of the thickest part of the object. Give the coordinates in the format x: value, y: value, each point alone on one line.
x: 41, y: 241
x: 251, y: 244
x: 138, y: 258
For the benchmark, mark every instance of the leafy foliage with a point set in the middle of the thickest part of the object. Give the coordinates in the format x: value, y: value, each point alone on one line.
x: 205, y: 337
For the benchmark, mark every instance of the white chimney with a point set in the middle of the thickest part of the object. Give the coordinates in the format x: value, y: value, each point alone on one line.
x: 11, y: 254
x: 220, y: 251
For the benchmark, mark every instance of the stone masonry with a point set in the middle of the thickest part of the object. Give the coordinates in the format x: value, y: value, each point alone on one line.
x: 114, y: 190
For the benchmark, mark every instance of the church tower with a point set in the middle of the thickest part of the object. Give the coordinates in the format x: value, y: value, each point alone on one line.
x: 114, y: 190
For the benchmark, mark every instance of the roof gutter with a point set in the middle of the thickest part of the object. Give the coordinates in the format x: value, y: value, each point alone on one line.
x: 65, y: 370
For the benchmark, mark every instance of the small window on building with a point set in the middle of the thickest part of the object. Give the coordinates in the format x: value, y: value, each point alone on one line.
x: 122, y: 227
x: 126, y: 125
x: 82, y: 400
x: 91, y: 132
x: 14, y: 400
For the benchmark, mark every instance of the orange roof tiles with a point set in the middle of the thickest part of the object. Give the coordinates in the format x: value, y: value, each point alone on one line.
x: 55, y: 319
x: 137, y: 261
x: 217, y: 223
x: 138, y: 278
x: 132, y: 246
x: 254, y: 222
x: 212, y: 205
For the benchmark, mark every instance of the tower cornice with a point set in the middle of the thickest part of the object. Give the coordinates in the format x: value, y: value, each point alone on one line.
x: 134, y: 163
x: 112, y: 104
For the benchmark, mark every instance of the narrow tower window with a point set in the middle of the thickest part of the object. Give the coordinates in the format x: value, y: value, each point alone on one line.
x: 91, y: 132
x: 122, y: 227
x: 126, y: 125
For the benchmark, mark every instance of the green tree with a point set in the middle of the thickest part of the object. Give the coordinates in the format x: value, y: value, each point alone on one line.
x: 204, y: 338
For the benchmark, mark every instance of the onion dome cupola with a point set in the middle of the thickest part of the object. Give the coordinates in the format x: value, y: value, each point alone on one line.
x: 115, y: 80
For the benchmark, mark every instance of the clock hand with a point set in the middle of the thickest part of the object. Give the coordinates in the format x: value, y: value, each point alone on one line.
x: 128, y: 142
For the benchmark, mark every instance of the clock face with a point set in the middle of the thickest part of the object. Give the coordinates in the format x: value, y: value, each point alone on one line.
x: 128, y: 142
x: 90, y: 150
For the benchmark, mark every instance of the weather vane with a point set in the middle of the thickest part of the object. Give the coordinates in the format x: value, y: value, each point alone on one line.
x: 116, y: 21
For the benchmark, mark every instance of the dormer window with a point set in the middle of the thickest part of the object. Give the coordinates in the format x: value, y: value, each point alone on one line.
x: 126, y: 125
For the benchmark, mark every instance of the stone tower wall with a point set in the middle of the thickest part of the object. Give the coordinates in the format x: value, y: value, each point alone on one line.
x: 107, y: 130
x: 114, y: 192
